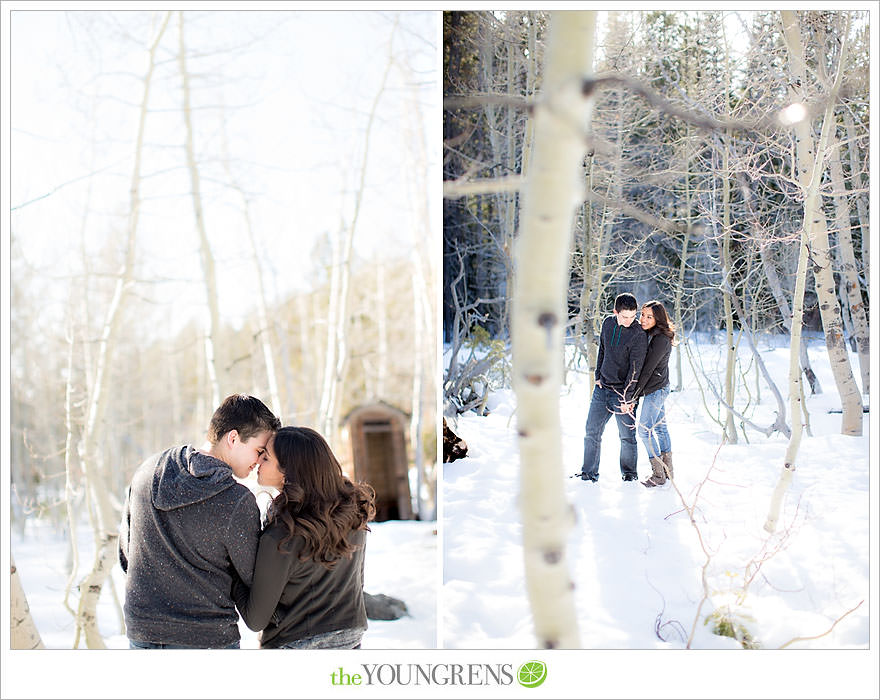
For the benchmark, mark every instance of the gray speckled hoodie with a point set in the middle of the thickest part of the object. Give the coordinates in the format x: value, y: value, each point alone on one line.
x: 188, y: 527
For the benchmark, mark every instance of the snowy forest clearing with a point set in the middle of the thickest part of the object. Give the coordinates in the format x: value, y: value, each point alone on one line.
x: 401, y: 562
x: 634, y: 556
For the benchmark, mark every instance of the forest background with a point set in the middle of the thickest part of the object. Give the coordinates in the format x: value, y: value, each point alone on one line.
x: 704, y: 213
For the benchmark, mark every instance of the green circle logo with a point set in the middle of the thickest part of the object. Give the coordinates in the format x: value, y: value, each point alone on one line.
x: 531, y: 674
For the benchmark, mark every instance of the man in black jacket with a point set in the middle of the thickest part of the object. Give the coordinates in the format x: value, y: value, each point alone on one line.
x: 622, y: 348
x: 188, y: 526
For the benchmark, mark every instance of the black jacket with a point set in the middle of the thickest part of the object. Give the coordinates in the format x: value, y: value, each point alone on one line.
x: 655, y: 371
x: 292, y: 599
x: 187, y: 528
x: 621, y: 355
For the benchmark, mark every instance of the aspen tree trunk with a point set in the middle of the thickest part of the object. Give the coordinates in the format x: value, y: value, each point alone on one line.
x: 795, y: 390
x: 531, y: 82
x: 580, y: 329
x: 215, y: 364
x: 381, y: 330
x: 595, y: 252
x: 855, y: 167
x: 424, y: 322
x: 336, y: 332
x: 264, y: 331
x: 850, y: 274
x: 810, y: 164
x: 421, y: 335
x: 69, y: 490
x: 775, y: 286
x: 336, y: 358
x: 23, y: 632
x: 539, y: 320
x: 682, y: 268
x: 309, y: 344
x: 808, y: 171
x: 105, y: 518
x: 730, y: 432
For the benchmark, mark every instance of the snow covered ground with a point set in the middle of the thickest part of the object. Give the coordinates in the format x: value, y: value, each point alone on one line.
x: 634, y: 555
x: 401, y: 561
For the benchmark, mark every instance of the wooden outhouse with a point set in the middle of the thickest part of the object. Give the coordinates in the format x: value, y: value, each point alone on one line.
x: 377, y: 434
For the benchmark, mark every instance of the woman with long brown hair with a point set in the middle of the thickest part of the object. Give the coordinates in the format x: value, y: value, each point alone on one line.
x: 307, y: 591
x: 653, y: 387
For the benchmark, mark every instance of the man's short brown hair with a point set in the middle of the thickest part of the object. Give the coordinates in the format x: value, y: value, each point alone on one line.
x: 245, y: 414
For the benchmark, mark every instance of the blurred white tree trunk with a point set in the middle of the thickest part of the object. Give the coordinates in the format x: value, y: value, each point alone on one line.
x: 424, y: 366
x: 104, y: 516
x: 381, y: 330
x: 264, y: 330
x: 23, y: 632
x: 336, y: 357
x: 553, y: 190
x: 215, y: 364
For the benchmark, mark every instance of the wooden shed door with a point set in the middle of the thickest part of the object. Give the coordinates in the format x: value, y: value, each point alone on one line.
x: 382, y: 468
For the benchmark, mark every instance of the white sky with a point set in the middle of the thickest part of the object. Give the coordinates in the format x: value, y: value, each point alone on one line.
x: 297, y: 87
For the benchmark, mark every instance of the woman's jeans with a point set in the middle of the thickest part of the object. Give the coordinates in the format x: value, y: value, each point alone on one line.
x: 604, y: 404
x: 339, y: 639
x: 132, y: 644
x: 652, y: 423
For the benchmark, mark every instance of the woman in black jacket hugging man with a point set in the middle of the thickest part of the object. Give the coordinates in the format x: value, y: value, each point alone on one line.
x: 653, y: 387
x: 309, y: 574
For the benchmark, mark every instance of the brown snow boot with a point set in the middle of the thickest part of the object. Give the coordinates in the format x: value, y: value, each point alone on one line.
x: 658, y: 473
x: 667, y: 460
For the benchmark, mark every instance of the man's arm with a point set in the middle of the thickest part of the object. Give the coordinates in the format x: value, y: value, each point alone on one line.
x: 243, y: 536
x: 601, y: 354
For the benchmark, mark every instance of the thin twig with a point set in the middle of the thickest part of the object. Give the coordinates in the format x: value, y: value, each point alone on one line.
x: 827, y: 632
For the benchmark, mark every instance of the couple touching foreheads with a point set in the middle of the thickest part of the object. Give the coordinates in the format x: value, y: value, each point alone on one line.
x: 193, y: 547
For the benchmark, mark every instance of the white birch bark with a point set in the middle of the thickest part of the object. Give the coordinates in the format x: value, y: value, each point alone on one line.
x: 215, y: 364
x: 858, y: 185
x: 795, y: 392
x: 539, y: 314
x: 264, y: 331
x: 381, y: 331
x: 336, y: 358
x: 106, y: 534
x: 69, y: 478
x: 23, y: 632
x: 808, y: 172
x: 730, y: 431
x: 424, y: 246
x: 850, y: 275
x: 810, y: 158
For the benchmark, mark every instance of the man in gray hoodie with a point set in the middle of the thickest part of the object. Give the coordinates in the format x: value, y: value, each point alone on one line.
x: 188, y: 527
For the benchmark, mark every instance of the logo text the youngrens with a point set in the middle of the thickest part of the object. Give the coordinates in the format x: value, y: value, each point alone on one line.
x: 425, y: 674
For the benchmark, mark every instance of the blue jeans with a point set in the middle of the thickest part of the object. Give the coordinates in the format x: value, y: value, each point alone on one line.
x: 652, y: 423
x: 604, y: 404
x: 133, y: 644
x: 340, y: 639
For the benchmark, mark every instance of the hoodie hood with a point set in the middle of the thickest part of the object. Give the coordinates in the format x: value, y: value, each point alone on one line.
x: 184, y: 476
